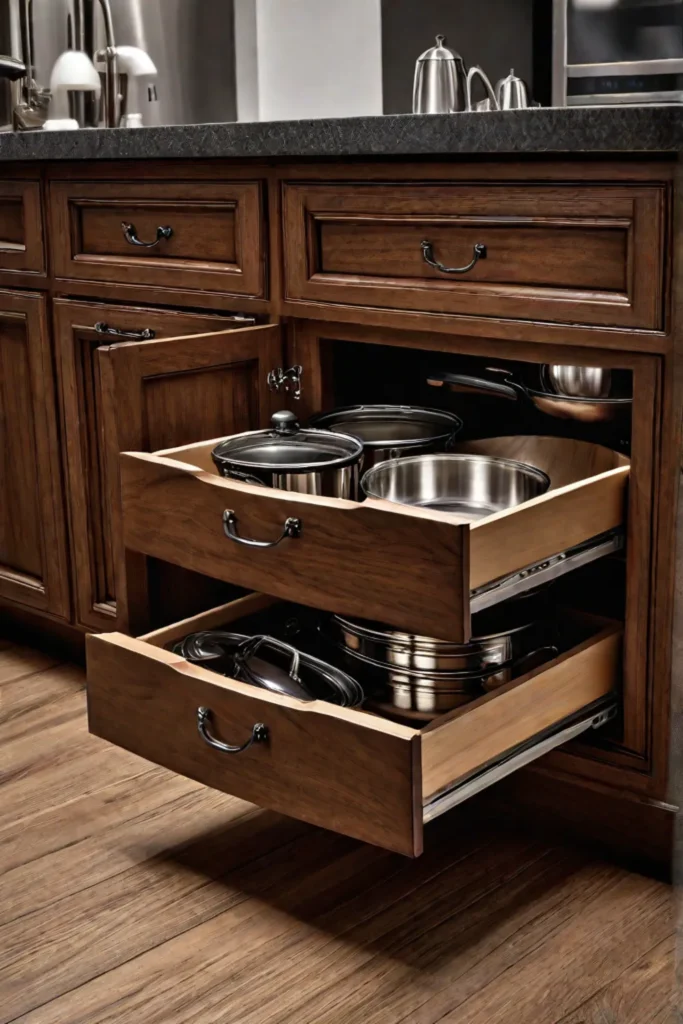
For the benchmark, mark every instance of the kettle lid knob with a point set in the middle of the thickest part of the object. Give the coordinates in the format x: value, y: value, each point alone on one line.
x: 439, y: 52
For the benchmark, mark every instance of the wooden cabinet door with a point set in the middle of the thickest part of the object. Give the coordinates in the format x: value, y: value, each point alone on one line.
x: 33, y: 560
x: 196, y: 377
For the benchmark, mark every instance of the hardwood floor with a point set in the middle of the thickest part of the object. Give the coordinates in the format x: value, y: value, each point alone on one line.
x: 129, y: 895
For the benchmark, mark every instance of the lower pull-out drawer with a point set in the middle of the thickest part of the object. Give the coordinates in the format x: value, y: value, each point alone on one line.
x: 343, y: 769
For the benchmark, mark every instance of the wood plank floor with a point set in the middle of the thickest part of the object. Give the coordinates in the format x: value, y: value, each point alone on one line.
x: 129, y: 895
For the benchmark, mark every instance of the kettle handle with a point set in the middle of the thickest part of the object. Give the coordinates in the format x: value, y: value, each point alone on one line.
x: 477, y: 72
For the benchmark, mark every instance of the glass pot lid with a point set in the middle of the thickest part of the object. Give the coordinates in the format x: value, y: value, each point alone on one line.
x: 288, y: 448
x: 391, y: 426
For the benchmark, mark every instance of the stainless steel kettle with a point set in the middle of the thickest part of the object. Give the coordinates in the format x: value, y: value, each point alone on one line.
x: 442, y: 83
x: 512, y: 93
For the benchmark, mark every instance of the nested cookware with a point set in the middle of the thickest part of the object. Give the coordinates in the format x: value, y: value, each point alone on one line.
x: 430, y: 676
x: 586, y: 394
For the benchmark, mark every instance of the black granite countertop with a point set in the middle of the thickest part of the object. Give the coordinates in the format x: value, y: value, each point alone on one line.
x: 548, y: 130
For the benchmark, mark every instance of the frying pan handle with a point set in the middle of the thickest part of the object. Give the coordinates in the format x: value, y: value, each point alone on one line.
x: 463, y: 382
x: 534, y: 659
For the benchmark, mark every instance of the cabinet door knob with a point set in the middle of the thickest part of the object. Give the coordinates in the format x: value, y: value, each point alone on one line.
x: 131, y: 236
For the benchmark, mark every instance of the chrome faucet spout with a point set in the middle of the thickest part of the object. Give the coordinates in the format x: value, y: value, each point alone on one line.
x: 111, y: 86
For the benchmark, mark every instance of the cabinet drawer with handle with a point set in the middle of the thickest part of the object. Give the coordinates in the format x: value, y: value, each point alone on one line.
x: 589, y: 254
x: 187, y: 235
x: 344, y: 769
x: 421, y: 570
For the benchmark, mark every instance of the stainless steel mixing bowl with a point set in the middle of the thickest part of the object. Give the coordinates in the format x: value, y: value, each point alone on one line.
x: 469, y: 486
x: 579, y: 381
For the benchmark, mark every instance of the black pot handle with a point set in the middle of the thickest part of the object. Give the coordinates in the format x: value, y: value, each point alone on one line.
x: 464, y: 382
x: 292, y: 528
x: 259, y: 734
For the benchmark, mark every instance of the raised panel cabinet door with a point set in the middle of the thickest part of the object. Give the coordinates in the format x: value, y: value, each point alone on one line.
x: 33, y: 552
x: 22, y: 245
x: 174, y: 378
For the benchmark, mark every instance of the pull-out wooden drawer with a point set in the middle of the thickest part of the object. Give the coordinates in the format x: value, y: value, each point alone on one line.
x: 589, y: 254
x: 187, y: 235
x: 419, y: 570
x: 344, y: 769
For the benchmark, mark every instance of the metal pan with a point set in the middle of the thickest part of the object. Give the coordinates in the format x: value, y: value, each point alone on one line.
x: 468, y: 486
x: 563, y: 407
x: 392, y: 431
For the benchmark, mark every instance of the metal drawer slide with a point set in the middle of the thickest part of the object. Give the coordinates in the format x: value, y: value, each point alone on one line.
x: 544, y: 572
x: 590, y: 718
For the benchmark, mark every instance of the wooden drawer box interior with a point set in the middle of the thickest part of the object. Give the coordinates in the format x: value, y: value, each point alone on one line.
x: 189, y: 235
x: 578, y: 253
x: 345, y: 769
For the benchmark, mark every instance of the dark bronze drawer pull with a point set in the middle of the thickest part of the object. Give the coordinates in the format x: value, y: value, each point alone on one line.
x: 146, y: 334
x: 130, y: 234
x: 292, y: 529
x: 259, y: 734
x: 480, y: 253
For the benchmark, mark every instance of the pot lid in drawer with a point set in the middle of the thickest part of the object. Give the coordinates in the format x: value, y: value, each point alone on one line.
x: 287, y: 447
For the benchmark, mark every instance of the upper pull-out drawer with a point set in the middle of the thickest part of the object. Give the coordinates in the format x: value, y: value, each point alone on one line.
x: 189, y: 235
x: 21, y: 227
x: 408, y: 567
x: 588, y: 254
x: 343, y: 769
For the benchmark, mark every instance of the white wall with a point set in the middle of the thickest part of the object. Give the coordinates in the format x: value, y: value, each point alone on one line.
x: 315, y: 58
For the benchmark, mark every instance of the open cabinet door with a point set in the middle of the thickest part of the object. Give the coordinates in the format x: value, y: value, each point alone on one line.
x: 156, y: 394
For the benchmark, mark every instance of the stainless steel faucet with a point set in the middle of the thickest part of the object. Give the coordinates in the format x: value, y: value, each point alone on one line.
x: 112, y: 111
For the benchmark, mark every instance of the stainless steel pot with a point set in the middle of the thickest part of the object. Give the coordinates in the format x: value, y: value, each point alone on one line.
x: 501, y: 634
x: 564, y: 407
x: 434, y: 693
x: 442, y: 83
x: 392, y: 431
x: 292, y: 459
x: 469, y: 486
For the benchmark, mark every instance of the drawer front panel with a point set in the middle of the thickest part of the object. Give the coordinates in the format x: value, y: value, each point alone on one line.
x: 374, y: 560
x: 195, y: 235
x: 21, y: 228
x: 564, y: 253
x: 408, y: 567
x: 326, y: 766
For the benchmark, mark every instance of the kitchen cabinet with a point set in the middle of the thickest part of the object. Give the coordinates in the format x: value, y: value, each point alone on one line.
x: 33, y: 554
x: 122, y: 388
x: 307, y: 286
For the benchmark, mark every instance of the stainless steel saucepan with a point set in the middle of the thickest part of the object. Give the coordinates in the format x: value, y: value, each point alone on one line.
x: 293, y: 459
x: 548, y: 395
x: 392, y: 431
x: 469, y: 486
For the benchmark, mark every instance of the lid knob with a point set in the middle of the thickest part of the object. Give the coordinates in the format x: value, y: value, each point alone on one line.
x: 285, y: 422
x: 440, y: 40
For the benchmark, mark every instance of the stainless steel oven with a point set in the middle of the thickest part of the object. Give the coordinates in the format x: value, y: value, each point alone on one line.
x: 617, y: 51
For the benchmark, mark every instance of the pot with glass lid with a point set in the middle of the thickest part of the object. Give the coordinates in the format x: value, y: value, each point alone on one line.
x: 293, y: 458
